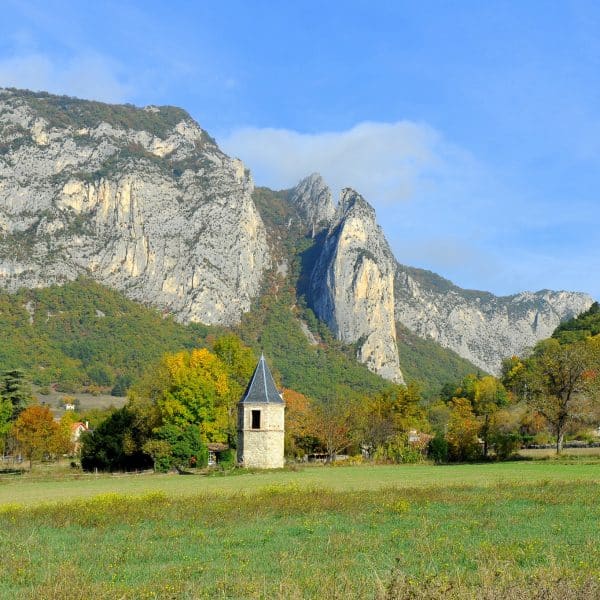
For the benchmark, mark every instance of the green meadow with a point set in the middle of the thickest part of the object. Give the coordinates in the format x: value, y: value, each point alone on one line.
x: 482, y: 531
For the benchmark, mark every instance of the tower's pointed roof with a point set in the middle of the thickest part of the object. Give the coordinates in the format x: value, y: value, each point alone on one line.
x: 262, y: 388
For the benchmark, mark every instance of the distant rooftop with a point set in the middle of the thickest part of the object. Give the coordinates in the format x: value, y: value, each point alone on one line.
x: 262, y: 388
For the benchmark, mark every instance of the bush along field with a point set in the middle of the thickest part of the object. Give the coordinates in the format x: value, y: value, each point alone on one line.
x: 286, y: 540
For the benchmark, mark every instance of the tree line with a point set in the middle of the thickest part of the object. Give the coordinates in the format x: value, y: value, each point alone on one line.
x: 188, y: 400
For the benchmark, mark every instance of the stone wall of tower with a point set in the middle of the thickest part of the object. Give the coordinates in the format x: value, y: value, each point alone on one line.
x: 261, y: 448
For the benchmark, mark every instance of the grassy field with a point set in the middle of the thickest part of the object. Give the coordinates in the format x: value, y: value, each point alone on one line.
x: 86, y: 401
x: 487, y: 531
x: 550, y: 452
x: 47, y: 486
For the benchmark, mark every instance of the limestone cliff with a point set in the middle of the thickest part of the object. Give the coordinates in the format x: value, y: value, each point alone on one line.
x: 352, y: 285
x: 359, y: 289
x: 479, y: 326
x: 142, y: 200
x: 314, y: 203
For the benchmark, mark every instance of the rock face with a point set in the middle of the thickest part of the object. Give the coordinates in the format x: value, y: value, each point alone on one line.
x: 139, y: 199
x: 360, y: 291
x: 479, y: 326
x: 313, y: 200
x: 352, y: 285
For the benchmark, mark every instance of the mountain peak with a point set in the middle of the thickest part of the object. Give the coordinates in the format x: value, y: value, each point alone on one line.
x: 314, y: 179
x: 351, y: 201
x: 139, y: 199
x: 312, y: 197
x: 352, y: 286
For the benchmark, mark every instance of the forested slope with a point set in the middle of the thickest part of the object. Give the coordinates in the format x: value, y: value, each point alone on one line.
x: 584, y: 325
x: 429, y: 364
x: 82, y: 334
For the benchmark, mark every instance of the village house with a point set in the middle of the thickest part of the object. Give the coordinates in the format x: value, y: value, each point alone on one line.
x: 76, y: 430
x: 214, y: 453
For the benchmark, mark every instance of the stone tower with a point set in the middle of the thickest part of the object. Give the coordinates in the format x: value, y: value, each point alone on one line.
x: 261, y: 422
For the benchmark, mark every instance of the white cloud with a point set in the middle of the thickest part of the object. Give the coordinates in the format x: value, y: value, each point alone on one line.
x: 91, y: 76
x: 386, y: 162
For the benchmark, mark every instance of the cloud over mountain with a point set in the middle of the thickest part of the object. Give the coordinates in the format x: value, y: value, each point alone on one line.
x: 386, y: 162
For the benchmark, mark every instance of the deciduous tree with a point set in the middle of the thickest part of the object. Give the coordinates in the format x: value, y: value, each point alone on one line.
x: 336, y: 424
x: 36, y: 433
x: 462, y: 433
x: 562, y: 382
x: 197, y: 392
x: 392, y: 413
x: 489, y: 397
x: 300, y: 437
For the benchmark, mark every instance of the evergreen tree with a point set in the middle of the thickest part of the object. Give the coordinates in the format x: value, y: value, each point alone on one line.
x: 15, y: 389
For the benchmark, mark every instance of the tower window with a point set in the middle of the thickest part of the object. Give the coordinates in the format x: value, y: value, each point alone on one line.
x: 256, y: 419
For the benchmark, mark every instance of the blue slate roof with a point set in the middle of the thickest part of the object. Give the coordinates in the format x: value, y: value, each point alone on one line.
x: 262, y: 388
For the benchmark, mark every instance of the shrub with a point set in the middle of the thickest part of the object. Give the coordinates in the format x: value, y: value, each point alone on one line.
x: 187, y: 449
x: 542, y: 438
x: 68, y: 387
x: 227, y: 459
x: 398, y: 450
x: 161, y: 454
x: 505, y: 444
x: 586, y: 436
x: 438, y: 449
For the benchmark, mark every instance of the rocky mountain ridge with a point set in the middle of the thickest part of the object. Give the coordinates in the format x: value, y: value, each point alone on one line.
x: 352, y: 285
x: 361, y: 291
x: 143, y: 200
x: 479, y: 326
x: 165, y: 217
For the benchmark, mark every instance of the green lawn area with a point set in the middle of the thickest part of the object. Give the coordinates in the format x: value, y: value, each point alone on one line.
x: 505, y: 530
x: 550, y: 452
x: 49, y: 488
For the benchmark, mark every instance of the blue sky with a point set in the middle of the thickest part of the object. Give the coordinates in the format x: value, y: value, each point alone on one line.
x: 472, y: 127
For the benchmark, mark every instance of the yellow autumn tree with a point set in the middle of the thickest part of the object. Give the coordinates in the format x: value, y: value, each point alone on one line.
x: 462, y: 433
x: 37, y: 433
x: 239, y: 361
x: 490, y: 396
x: 196, y: 392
